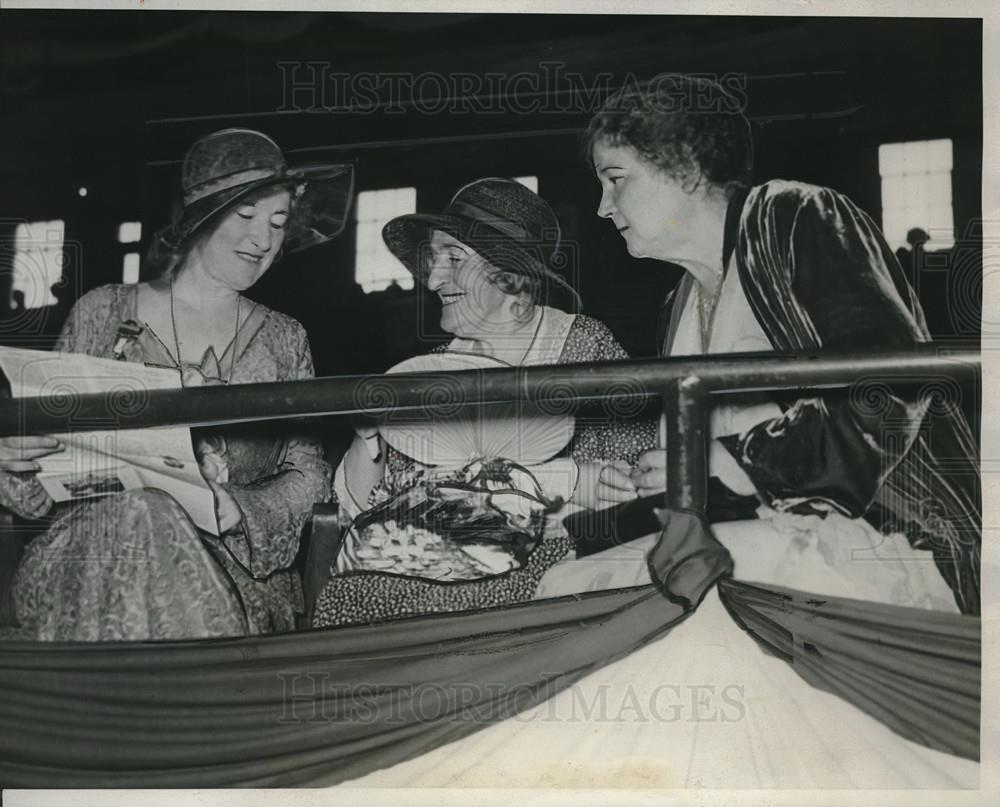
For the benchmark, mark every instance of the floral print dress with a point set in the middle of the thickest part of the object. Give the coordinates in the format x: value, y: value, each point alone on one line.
x: 605, y: 435
x: 133, y: 566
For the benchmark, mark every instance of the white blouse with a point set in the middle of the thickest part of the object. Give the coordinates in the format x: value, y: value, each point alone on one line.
x: 734, y: 330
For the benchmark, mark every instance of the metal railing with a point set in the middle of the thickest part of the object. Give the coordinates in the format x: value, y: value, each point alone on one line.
x: 683, y: 384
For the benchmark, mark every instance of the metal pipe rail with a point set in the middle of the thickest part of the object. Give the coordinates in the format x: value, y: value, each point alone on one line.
x: 681, y: 382
x: 375, y: 394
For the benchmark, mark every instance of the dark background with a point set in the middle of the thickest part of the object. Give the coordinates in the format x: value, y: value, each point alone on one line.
x: 111, y: 100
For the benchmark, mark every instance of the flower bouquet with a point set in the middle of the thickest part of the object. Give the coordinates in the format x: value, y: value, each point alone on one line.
x: 475, y: 501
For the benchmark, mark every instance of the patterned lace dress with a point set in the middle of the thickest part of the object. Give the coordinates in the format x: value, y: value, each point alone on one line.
x: 133, y: 566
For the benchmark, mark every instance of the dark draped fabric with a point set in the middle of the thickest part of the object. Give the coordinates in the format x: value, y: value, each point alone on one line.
x: 313, y: 708
x: 325, y: 706
x: 916, y: 671
x: 321, y: 706
x: 818, y: 274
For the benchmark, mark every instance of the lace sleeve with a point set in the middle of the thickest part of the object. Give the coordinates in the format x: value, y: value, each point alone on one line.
x: 612, y: 430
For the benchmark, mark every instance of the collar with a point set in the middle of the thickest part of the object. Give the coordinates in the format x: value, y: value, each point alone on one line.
x: 733, y: 214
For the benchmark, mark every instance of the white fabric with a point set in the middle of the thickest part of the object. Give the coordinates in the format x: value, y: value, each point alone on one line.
x: 542, y: 343
x: 349, y: 509
x: 833, y: 556
x: 703, y: 706
x: 734, y: 330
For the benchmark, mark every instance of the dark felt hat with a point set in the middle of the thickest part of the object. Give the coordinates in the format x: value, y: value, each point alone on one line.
x: 508, y: 224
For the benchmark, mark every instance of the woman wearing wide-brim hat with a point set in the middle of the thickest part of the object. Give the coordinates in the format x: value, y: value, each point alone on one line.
x: 494, y: 258
x: 242, y: 206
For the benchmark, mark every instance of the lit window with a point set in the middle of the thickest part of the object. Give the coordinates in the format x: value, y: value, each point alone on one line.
x: 38, y: 261
x: 528, y: 182
x: 916, y: 191
x: 130, y: 268
x: 375, y: 267
x: 129, y: 232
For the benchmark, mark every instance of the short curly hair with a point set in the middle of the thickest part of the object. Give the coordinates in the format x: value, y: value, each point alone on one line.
x: 516, y: 284
x: 689, y: 127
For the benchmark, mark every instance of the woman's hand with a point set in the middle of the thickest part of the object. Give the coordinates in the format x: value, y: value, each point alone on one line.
x: 649, y: 477
x: 599, y: 485
x: 650, y: 473
x: 614, y: 485
x: 18, y: 453
x: 226, y: 509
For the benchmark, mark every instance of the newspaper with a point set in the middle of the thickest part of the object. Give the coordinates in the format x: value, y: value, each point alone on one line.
x: 98, y: 458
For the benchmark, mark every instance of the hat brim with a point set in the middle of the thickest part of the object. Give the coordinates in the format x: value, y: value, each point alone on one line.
x: 319, y: 215
x: 407, y: 237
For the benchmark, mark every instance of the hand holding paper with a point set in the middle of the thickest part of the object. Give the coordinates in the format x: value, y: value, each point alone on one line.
x: 18, y: 453
x: 84, y: 462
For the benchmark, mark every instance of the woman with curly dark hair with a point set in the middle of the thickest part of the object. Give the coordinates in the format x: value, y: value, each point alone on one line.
x: 789, y: 266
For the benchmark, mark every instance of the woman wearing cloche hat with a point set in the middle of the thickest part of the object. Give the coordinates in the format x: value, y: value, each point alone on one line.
x: 494, y: 258
x: 242, y: 205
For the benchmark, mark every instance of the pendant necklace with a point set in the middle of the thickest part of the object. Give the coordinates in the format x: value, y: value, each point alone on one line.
x: 706, y: 311
x: 484, y: 348
x: 177, y: 344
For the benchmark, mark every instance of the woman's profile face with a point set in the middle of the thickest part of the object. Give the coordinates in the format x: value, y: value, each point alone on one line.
x: 650, y: 210
x: 246, y: 240
x: 472, y: 306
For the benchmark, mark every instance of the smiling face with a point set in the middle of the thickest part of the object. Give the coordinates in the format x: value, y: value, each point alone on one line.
x: 246, y: 241
x: 651, y: 210
x: 472, y: 306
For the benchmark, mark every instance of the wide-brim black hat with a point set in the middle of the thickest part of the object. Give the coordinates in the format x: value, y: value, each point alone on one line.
x: 230, y: 165
x: 508, y: 224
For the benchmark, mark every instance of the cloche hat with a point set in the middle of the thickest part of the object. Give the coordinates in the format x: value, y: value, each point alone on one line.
x: 508, y: 224
x: 227, y: 166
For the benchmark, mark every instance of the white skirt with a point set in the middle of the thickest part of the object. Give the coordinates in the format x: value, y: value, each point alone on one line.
x: 704, y: 707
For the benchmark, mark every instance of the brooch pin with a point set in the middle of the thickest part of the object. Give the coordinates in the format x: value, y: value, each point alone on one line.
x: 127, y: 331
